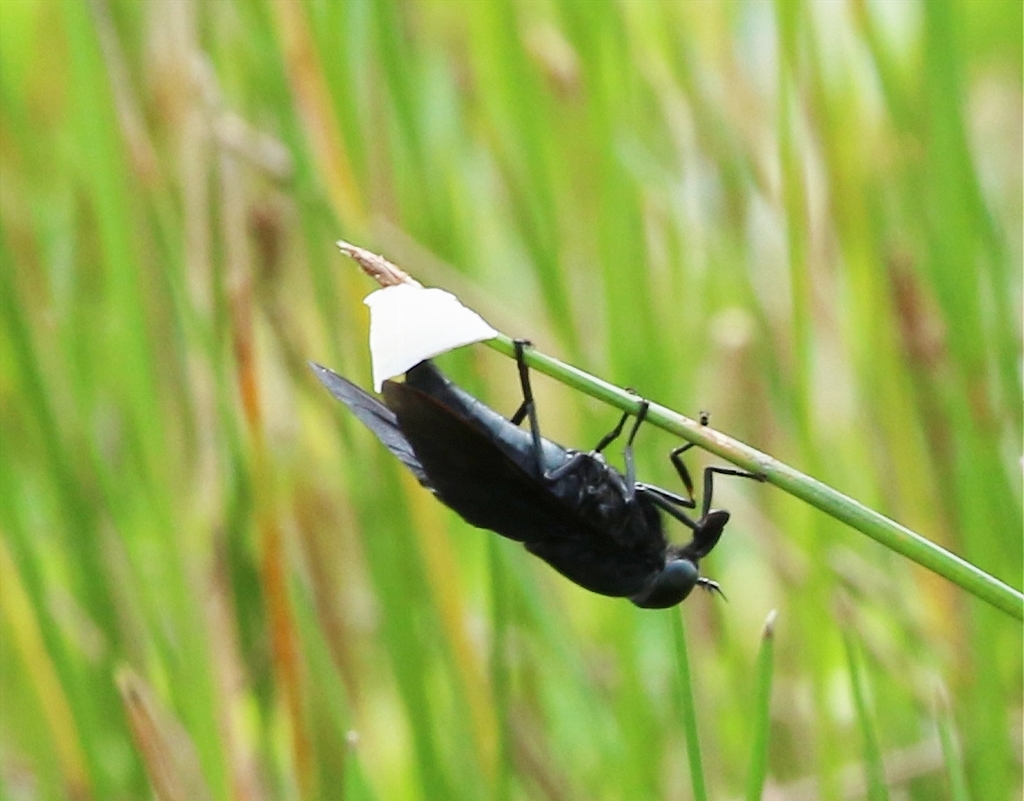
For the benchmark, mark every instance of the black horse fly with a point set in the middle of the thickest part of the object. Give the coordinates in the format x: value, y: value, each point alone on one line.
x: 594, y: 525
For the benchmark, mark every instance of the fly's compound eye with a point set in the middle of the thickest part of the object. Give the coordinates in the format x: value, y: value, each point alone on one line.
x: 670, y: 586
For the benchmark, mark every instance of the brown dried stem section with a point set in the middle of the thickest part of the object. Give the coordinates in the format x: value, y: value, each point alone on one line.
x: 376, y: 266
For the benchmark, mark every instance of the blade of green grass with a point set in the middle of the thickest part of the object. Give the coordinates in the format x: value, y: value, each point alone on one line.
x: 687, y: 707
x: 760, y: 718
x: 874, y: 765
x: 952, y: 754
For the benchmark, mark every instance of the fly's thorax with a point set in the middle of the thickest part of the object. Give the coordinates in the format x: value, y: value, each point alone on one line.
x: 597, y: 490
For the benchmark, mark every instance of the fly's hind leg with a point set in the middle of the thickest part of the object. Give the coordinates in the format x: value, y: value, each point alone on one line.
x: 528, y: 409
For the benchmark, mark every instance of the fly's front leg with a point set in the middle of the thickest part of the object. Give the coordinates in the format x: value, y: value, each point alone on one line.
x: 670, y: 503
x: 710, y: 586
x: 676, y: 457
x: 709, y: 473
x: 666, y: 495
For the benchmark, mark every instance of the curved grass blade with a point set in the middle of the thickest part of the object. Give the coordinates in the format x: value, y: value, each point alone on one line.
x: 688, y: 707
x: 761, y: 717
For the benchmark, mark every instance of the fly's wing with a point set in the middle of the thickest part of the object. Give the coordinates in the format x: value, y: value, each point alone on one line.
x: 514, y: 442
x: 469, y: 472
x: 482, y: 466
x: 589, y: 557
x: 375, y: 416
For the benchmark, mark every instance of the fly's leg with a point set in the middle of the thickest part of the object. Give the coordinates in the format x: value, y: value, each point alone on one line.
x: 670, y: 503
x: 528, y: 408
x: 676, y: 457
x: 684, y: 475
x: 612, y: 435
x: 710, y: 586
x: 606, y: 440
x: 667, y: 495
x: 709, y: 473
x: 708, y: 526
x: 641, y: 415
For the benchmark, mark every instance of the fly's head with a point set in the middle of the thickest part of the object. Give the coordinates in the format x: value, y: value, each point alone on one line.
x: 673, y: 584
x: 670, y: 586
x: 681, y: 574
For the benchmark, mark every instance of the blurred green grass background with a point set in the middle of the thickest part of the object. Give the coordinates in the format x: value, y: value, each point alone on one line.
x: 805, y: 217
